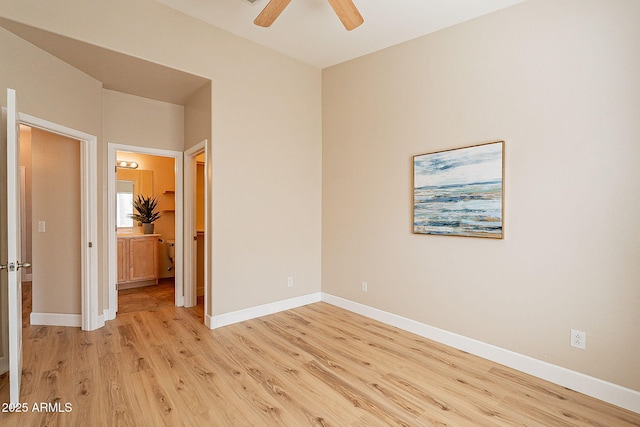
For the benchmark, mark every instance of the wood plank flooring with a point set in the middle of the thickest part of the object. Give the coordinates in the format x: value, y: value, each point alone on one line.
x: 316, y: 365
x: 147, y: 297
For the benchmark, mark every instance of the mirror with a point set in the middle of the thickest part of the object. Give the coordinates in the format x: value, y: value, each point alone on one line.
x: 130, y: 183
x: 124, y: 200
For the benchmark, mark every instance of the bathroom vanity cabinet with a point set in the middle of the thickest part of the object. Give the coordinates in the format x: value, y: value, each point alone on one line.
x: 137, y: 260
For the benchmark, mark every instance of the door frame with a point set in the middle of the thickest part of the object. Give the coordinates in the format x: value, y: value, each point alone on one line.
x: 112, y: 149
x: 190, y: 273
x: 90, y: 316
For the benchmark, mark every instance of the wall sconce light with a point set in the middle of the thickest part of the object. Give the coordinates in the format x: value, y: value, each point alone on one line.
x: 126, y: 164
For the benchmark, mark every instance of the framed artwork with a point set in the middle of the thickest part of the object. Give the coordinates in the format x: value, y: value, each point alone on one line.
x: 459, y: 192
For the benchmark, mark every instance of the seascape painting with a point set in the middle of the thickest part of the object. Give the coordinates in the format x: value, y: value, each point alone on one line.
x: 459, y: 192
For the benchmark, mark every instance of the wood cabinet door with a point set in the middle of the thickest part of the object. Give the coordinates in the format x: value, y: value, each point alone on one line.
x: 123, y: 260
x: 142, y: 258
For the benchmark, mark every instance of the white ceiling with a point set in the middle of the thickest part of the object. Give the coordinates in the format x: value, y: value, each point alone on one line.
x: 309, y: 30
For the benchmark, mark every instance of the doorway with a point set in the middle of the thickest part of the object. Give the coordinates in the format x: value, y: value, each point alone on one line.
x: 62, y: 143
x: 166, y: 240
x: 51, y: 200
x: 146, y: 262
x: 196, y: 226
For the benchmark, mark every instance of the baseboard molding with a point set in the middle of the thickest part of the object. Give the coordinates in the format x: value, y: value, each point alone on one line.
x: 56, y: 319
x: 261, y: 310
x: 108, y: 314
x: 585, y: 384
x: 101, y: 320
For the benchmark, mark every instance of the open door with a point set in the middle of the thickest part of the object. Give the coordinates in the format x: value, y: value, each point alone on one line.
x: 11, y: 264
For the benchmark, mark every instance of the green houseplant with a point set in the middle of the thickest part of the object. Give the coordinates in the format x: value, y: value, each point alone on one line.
x: 146, y: 212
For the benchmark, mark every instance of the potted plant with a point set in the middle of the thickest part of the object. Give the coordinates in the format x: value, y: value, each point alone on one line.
x: 146, y: 213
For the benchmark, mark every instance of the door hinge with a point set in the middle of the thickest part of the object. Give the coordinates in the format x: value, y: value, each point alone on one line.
x: 90, y: 244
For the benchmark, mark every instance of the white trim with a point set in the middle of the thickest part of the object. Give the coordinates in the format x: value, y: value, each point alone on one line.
x: 13, y: 249
x: 112, y: 254
x: 190, y: 273
x: 189, y: 226
x: 594, y: 387
x: 103, y: 318
x: 89, y: 240
x: 189, y: 261
x: 89, y: 214
x: 111, y: 221
x: 36, y: 122
x: 4, y: 307
x: 56, y: 319
x: 262, y: 310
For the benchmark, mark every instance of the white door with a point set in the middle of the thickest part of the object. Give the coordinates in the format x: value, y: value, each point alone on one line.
x: 13, y: 263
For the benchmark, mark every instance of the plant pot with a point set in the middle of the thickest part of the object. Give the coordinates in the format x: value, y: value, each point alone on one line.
x: 147, y: 227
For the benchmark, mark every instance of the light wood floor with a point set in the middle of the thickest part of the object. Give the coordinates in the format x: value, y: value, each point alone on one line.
x: 317, y: 365
x: 147, y: 297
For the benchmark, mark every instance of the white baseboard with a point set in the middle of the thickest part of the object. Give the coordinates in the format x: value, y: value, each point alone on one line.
x: 109, y: 314
x: 56, y: 319
x: 261, y: 310
x: 585, y: 384
x: 100, y: 322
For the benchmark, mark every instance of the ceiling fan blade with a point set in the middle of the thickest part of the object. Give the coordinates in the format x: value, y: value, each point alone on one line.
x: 270, y: 12
x: 348, y: 13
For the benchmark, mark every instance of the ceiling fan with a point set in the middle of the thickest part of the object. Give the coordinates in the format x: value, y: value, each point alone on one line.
x: 345, y: 9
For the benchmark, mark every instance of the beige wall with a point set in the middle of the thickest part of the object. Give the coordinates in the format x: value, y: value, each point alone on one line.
x: 558, y: 81
x: 197, y: 117
x: 56, y: 201
x: 265, y: 157
x: 142, y: 122
x: 61, y: 95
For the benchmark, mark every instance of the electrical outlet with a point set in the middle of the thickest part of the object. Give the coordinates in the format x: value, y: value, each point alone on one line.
x: 364, y: 287
x: 290, y: 282
x: 578, y: 339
